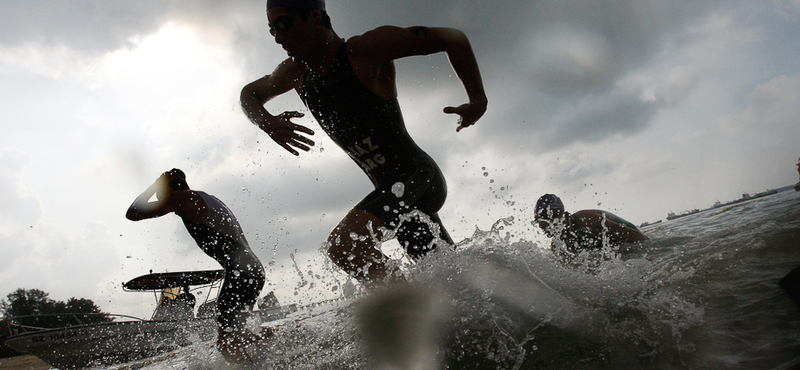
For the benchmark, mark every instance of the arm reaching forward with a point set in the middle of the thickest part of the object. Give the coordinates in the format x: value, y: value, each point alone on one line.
x: 280, y: 128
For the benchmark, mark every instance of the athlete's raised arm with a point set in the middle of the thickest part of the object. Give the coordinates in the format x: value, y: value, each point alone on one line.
x: 142, y: 208
x: 287, y: 76
x: 381, y: 46
x: 185, y: 203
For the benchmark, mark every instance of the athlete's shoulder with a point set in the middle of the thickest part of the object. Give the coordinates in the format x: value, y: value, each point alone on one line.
x: 375, y: 35
x: 191, y: 205
x: 290, y: 71
x: 589, y: 214
x: 376, y: 39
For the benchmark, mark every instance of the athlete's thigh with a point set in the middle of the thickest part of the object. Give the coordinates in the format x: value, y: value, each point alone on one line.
x: 361, y: 222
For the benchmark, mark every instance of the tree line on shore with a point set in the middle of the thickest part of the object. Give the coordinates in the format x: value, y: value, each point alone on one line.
x: 33, y: 308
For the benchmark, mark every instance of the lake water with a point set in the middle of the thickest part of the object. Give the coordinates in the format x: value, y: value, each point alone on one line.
x: 701, y: 294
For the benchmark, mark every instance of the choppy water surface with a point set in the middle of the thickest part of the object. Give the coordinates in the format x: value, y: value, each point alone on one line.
x: 701, y: 294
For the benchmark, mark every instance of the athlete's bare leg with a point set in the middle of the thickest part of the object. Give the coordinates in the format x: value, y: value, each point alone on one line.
x: 354, y: 246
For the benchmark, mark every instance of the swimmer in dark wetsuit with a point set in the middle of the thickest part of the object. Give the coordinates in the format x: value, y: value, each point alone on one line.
x: 217, y: 232
x: 349, y: 86
x: 584, y: 230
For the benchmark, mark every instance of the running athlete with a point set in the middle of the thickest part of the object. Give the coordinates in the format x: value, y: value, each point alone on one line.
x: 583, y: 230
x: 349, y: 87
x: 217, y: 232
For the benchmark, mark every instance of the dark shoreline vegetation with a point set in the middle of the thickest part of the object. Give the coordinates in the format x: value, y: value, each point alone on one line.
x: 35, y: 308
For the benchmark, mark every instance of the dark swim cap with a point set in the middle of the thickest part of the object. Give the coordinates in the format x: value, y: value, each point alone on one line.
x: 297, y: 4
x: 547, y: 206
x: 177, y: 179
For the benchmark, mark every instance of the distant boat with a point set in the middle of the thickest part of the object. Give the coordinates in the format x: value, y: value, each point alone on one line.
x: 745, y: 197
x: 650, y: 223
x: 672, y: 216
x: 125, y: 338
x: 764, y: 193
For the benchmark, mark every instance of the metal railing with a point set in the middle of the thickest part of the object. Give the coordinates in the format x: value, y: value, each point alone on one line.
x: 21, y: 324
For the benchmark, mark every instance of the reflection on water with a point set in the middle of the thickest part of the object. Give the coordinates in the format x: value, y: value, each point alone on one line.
x: 701, y: 294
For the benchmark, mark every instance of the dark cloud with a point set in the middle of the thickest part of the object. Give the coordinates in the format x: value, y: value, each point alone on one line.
x: 608, y: 116
x: 82, y: 24
x: 554, y: 68
x: 97, y: 27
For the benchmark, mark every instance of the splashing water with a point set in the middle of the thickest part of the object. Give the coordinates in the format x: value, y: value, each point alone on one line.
x: 702, y: 293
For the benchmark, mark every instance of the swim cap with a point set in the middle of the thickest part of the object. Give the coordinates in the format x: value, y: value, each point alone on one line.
x: 297, y: 4
x: 177, y: 179
x: 547, y: 206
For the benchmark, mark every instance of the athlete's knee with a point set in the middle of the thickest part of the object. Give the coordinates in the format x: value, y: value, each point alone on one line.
x: 337, y: 246
x: 421, y: 234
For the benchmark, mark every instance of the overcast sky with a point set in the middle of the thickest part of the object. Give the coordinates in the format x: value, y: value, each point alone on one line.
x: 640, y: 107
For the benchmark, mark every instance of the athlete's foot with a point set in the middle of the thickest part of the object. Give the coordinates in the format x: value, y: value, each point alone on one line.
x: 266, y: 333
x: 390, y: 276
x: 231, y: 348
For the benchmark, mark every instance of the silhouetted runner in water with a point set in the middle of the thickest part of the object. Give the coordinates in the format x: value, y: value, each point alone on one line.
x: 582, y: 230
x: 349, y: 86
x: 217, y: 232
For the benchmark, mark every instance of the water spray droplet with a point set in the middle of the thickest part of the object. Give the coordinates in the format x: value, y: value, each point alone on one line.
x: 398, y: 189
